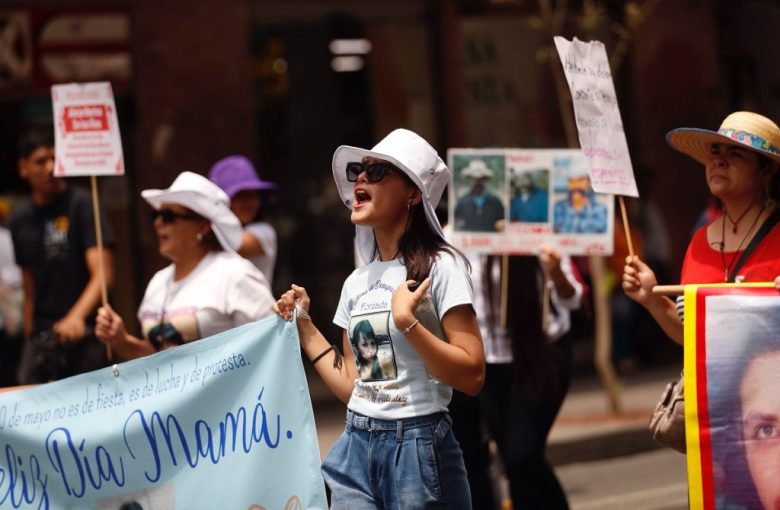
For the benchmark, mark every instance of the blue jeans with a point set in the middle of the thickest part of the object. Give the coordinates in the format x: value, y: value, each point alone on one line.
x: 397, y: 464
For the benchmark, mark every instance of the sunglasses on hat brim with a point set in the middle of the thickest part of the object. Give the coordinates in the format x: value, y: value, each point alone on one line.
x: 375, y: 172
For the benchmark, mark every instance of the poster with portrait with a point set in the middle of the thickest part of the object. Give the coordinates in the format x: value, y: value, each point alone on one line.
x: 516, y: 200
x: 732, y: 403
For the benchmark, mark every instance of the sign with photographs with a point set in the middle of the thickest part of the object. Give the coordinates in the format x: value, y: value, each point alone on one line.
x: 516, y: 200
x: 732, y: 408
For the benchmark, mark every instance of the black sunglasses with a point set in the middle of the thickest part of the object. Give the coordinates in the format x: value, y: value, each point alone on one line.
x: 375, y: 172
x: 168, y: 216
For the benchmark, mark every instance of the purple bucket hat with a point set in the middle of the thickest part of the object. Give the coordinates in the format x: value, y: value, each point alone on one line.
x: 236, y: 173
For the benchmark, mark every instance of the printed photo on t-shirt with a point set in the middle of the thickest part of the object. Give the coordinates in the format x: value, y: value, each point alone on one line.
x: 369, y: 336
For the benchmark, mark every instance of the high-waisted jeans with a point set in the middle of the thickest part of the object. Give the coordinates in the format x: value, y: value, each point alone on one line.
x: 413, y: 463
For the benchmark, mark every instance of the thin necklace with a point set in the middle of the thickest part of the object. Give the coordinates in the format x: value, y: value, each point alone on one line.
x: 734, y: 223
x: 727, y: 268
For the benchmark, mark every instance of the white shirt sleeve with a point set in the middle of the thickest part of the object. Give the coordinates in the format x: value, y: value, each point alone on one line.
x: 450, y: 283
x: 265, y: 235
x: 575, y: 301
x: 250, y: 298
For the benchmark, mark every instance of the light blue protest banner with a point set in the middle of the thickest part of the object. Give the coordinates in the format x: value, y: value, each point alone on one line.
x: 225, y: 422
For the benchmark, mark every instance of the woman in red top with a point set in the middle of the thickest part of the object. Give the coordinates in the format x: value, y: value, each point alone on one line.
x: 741, y: 163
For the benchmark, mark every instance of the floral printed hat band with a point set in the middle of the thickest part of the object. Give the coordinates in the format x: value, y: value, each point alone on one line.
x: 748, y: 129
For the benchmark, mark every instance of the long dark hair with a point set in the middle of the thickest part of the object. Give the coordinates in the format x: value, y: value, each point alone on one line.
x: 419, y: 244
x: 532, y: 355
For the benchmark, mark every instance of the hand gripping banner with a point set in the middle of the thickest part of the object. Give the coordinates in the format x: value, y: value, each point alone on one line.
x: 732, y: 396
x: 224, y: 422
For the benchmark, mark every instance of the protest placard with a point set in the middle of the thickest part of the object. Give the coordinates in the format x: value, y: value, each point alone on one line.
x: 224, y: 422
x: 732, y: 412
x: 86, y: 130
x: 513, y: 201
x: 600, y: 128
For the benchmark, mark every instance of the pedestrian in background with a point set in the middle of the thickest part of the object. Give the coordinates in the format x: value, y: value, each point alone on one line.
x: 56, y: 247
x: 529, y: 363
x: 11, y: 297
x: 398, y: 449
x: 238, y: 178
x: 208, y: 288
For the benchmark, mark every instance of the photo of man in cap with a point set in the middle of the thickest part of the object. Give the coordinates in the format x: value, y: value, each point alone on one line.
x: 478, y: 210
x: 579, y: 212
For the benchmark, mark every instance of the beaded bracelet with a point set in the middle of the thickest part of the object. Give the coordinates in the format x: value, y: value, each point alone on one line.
x: 410, y: 327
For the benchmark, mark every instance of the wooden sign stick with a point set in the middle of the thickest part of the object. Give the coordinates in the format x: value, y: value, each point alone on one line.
x: 99, y: 237
x: 669, y: 290
x: 625, y: 225
x: 504, y: 287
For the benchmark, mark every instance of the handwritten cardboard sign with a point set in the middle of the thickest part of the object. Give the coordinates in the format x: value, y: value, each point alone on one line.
x: 86, y: 130
x: 602, y: 137
x: 516, y: 200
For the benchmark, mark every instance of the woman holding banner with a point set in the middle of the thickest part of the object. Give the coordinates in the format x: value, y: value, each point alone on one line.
x: 208, y: 288
x: 741, y: 162
x: 398, y: 449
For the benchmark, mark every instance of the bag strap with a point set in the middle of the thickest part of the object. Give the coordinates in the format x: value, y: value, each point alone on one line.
x: 770, y: 222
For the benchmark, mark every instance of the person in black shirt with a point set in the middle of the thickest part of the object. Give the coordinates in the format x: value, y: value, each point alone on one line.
x: 55, y: 245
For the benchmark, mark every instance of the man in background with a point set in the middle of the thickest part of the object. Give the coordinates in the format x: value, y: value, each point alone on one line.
x: 55, y: 246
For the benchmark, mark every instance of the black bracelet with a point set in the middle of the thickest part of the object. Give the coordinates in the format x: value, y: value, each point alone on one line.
x: 321, y: 355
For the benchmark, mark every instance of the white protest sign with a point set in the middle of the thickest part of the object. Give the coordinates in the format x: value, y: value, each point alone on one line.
x: 86, y: 130
x: 602, y: 138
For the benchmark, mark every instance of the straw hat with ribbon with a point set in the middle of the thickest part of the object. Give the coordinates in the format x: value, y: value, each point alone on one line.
x: 747, y: 129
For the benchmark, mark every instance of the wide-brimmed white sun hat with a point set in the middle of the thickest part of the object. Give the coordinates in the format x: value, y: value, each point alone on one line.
x: 747, y: 129
x: 477, y: 169
x: 205, y: 198
x: 411, y: 154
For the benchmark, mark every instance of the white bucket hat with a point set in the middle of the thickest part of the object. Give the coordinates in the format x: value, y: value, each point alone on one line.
x: 477, y: 169
x: 205, y: 198
x: 411, y: 154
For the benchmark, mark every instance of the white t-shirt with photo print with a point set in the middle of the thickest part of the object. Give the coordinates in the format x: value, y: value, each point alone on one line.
x: 393, y: 381
x: 224, y: 291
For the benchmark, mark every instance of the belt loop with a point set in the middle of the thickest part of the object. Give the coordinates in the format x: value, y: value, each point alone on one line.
x: 444, y: 425
x: 399, y: 430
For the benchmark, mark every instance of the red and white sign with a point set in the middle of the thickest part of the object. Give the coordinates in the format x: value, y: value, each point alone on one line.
x: 86, y: 130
